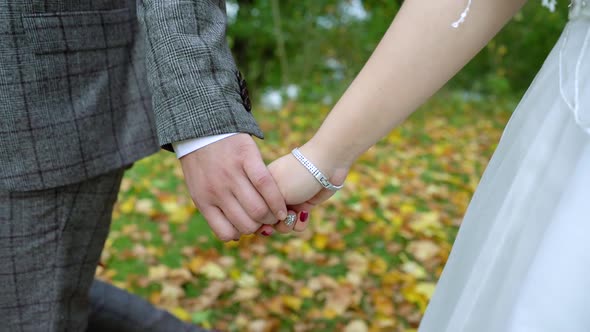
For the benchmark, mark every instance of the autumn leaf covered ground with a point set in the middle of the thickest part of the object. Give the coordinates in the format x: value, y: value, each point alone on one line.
x: 369, y: 260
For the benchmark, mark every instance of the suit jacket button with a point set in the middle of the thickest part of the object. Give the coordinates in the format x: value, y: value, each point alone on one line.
x: 244, y: 94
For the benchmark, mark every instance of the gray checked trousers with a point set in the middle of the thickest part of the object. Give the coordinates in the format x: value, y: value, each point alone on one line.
x: 50, y: 244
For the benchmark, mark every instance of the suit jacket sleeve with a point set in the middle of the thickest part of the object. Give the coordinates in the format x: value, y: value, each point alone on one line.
x: 196, y: 87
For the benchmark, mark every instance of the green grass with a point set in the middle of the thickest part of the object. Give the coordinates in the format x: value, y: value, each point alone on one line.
x: 406, y: 193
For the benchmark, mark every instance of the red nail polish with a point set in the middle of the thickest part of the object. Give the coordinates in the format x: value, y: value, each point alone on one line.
x: 303, y: 216
x: 266, y: 233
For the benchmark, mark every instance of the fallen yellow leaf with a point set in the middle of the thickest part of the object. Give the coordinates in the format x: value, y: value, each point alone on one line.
x: 292, y: 302
x: 181, y: 313
x: 213, y: 271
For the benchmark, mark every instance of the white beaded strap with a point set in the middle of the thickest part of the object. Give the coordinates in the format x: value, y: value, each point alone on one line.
x: 315, y: 171
x: 575, y: 106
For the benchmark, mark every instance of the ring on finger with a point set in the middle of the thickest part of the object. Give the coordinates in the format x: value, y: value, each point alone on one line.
x: 290, y: 220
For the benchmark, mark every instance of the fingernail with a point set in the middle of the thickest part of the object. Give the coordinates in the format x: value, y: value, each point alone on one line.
x: 282, y: 215
x: 267, y: 233
x: 303, y: 216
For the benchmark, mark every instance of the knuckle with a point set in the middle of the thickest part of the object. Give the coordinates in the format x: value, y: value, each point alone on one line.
x: 226, y: 236
x: 196, y: 200
x: 261, y: 179
x: 227, y: 172
x: 258, y: 212
x: 241, y: 153
x: 251, y: 229
x: 214, y: 192
x: 247, y: 228
x: 198, y: 197
x: 243, y: 227
x: 209, y: 188
x: 201, y: 205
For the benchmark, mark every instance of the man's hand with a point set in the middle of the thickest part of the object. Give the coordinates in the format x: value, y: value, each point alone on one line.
x: 230, y: 184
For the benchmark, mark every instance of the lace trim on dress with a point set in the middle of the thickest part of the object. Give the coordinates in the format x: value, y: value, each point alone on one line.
x: 574, y: 106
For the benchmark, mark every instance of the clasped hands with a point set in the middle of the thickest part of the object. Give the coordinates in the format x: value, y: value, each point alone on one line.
x: 238, y: 194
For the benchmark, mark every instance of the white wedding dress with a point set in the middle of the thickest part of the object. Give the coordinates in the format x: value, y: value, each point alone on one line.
x: 521, y: 261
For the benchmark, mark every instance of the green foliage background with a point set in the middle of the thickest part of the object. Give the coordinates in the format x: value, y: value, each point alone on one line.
x: 506, y: 65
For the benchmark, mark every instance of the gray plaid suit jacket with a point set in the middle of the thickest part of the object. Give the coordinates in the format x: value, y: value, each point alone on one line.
x: 86, y: 86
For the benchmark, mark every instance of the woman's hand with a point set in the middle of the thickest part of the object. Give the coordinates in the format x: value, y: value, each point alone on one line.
x: 300, y: 189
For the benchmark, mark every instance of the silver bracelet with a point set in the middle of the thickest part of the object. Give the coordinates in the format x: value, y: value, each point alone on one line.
x: 315, y: 171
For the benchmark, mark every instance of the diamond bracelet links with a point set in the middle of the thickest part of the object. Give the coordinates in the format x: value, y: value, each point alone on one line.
x: 323, y: 180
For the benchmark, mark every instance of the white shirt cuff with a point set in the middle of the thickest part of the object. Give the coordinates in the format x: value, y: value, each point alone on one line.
x: 183, y: 148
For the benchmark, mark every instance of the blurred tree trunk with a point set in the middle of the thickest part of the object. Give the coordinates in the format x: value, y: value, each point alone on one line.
x: 311, y: 44
x: 251, y: 58
x: 240, y: 45
x: 280, y: 38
